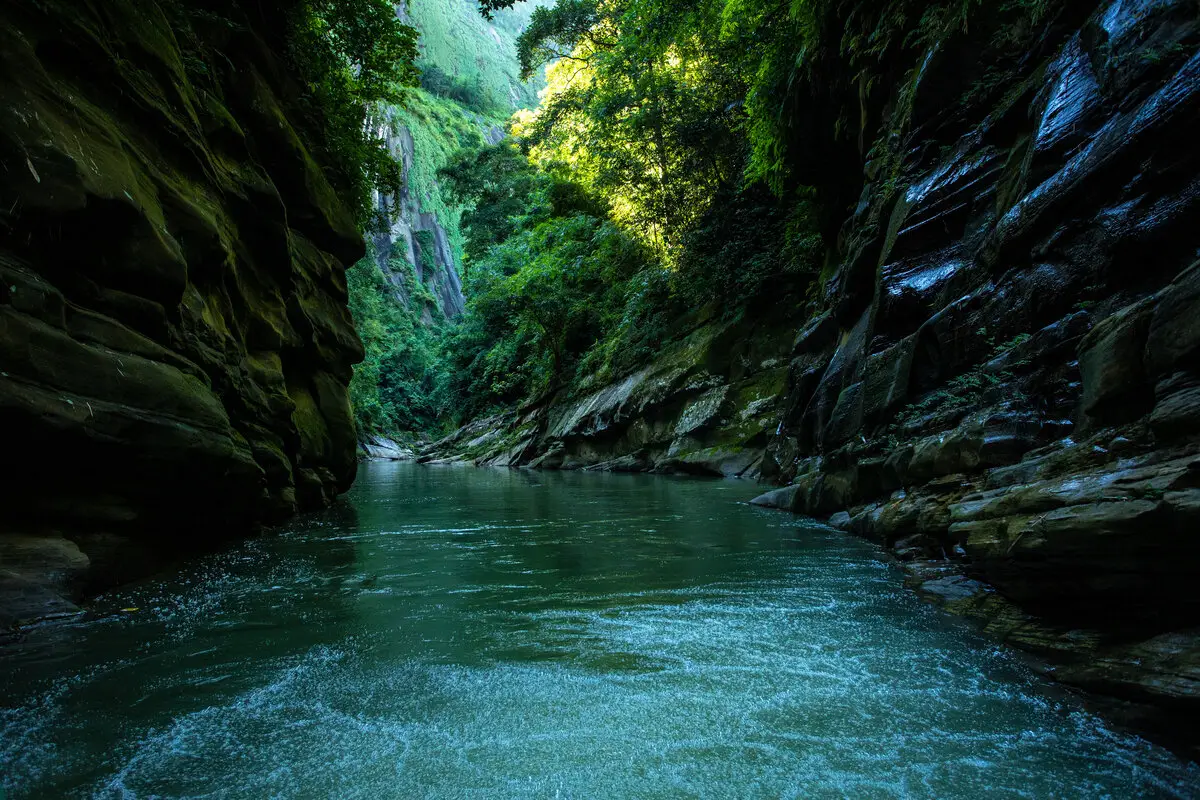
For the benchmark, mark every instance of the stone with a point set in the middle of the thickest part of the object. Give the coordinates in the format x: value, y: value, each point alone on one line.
x: 1115, y: 386
x: 783, y: 499
x: 1176, y: 412
x: 1164, y: 667
x: 383, y: 449
x: 886, y: 378
x: 895, y: 468
x: 917, y: 546
x: 174, y: 330
x: 818, y: 335
x: 1173, y: 338
x: 1122, y: 446
x: 948, y: 453
x: 24, y: 601
x: 840, y: 520
x: 953, y: 589
x: 1091, y: 554
x: 701, y: 412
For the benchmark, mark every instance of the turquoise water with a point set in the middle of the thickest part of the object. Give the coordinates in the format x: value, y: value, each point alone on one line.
x: 462, y: 633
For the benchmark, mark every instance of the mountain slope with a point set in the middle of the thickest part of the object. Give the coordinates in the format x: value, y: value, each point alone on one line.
x: 410, y: 285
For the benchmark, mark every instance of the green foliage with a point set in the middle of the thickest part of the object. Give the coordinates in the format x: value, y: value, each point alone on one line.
x: 548, y: 281
x: 684, y: 162
x: 505, y: 193
x: 352, y: 54
x: 966, y: 391
x: 845, y: 51
x: 471, y: 59
x: 470, y: 83
x: 394, y: 388
x: 1011, y: 344
x: 555, y: 31
x: 501, y: 189
x: 468, y: 91
x: 746, y: 240
x: 558, y: 291
x: 642, y: 107
x: 538, y: 303
x: 425, y: 245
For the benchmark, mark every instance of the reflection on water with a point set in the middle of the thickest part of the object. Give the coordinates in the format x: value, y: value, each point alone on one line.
x: 485, y: 633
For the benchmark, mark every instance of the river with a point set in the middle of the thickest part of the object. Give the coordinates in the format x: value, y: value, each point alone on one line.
x: 460, y: 633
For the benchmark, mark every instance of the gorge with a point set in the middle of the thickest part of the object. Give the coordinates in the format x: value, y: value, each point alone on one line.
x: 926, y: 273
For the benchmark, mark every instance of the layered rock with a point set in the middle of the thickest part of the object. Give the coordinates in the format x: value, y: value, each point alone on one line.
x: 415, y: 241
x: 1003, y: 382
x: 707, y: 405
x: 175, y: 345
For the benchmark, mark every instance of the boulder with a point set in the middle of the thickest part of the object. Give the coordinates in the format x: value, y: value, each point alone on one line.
x: 840, y: 520
x: 783, y: 499
x: 918, y: 546
x: 1173, y: 336
x: 1176, y: 411
x: 381, y: 448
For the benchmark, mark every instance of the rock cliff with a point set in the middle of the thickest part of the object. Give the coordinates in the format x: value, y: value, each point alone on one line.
x: 416, y: 241
x: 1001, y: 383
x: 175, y: 345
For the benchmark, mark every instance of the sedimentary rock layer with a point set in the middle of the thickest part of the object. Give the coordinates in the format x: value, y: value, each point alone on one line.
x: 1002, y: 383
x: 174, y: 339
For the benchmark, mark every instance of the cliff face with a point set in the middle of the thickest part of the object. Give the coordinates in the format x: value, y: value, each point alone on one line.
x: 173, y: 326
x: 416, y: 237
x: 1002, y: 382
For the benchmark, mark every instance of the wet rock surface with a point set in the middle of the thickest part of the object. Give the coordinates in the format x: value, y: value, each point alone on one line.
x: 175, y: 345
x: 381, y: 448
x: 1011, y: 405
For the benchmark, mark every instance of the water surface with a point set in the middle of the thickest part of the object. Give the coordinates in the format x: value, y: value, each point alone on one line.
x: 462, y: 633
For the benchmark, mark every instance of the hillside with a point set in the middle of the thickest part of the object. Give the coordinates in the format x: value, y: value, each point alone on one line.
x: 404, y: 293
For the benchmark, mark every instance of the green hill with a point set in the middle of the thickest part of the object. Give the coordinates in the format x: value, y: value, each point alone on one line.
x: 472, y: 60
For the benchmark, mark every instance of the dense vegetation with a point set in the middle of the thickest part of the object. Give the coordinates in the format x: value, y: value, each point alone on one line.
x: 353, y: 55
x: 470, y: 84
x: 686, y: 157
x: 472, y: 60
x: 394, y: 387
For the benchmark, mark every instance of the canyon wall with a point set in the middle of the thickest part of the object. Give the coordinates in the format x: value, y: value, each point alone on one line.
x: 175, y: 345
x: 1003, y: 383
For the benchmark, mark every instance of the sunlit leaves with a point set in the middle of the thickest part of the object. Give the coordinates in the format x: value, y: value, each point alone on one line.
x: 569, y: 30
x: 639, y: 109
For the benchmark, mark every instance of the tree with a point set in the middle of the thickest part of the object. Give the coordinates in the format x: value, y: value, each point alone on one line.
x: 353, y: 54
